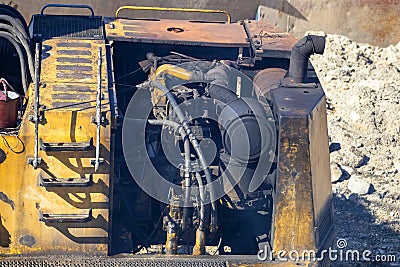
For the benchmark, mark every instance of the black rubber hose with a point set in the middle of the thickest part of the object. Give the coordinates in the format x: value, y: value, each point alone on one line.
x: 10, y: 11
x: 196, y: 146
x: 301, y: 51
x: 24, y: 43
x: 219, y: 84
x: 16, y: 24
x: 11, y: 39
x: 185, y: 138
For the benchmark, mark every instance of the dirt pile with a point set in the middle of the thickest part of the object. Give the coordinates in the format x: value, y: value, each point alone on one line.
x: 362, y: 84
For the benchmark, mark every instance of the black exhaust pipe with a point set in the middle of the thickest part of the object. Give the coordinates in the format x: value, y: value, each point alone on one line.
x: 301, y: 51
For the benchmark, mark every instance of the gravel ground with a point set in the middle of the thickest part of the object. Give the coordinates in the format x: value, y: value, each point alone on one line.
x: 362, y: 84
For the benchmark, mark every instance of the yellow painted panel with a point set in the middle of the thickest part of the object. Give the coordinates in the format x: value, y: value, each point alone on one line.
x: 19, y: 181
x: 73, y: 61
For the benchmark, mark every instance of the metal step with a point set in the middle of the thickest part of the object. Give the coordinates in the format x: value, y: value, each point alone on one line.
x: 65, y: 182
x: 66, y: 146
x: 65, y: 218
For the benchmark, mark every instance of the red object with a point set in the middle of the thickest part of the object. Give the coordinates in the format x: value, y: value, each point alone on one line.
x: 8, y: 109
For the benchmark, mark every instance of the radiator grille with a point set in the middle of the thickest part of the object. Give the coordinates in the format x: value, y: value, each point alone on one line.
x: 325, y: 231
x: 80, y: 27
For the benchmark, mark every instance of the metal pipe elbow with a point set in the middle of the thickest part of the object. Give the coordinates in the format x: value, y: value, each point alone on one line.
x: 301, y: 52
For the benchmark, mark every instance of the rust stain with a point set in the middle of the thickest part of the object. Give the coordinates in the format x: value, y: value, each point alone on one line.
x: 385, y: 23
x: 168, y: 30
x: 382, y: 19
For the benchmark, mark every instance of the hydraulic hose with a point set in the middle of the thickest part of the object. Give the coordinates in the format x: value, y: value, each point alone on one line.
x: 219, y: 84
x: 301, y: 51
x: 24, y: 43
x: 196, y: 146
x: 13, y: 12
x: 186, y: 146
x: 11, y: 39
x: 16, y: 24
x: 200, y: 243
x: 185, y: 137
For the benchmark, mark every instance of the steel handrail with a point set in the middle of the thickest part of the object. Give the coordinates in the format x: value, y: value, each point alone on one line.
x: 178, y: 9
x: 67, y: 6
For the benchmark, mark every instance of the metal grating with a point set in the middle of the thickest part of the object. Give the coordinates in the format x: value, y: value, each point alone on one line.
x: 324, y: 229
x: 80, y: 27
x: 110, y: 262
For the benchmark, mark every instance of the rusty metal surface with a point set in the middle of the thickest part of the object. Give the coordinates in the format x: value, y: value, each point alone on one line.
x: 268, y: 40
x: 268, y: 79
x: 239, y: 9
x: 177, y: 32
x: 319, y: 156
x: 370, y: 21
x: 293, y: 226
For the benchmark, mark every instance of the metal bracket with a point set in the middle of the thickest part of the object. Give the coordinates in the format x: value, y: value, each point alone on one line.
x: 288, y: 82
x: 100, y: 161
x: 103, y: 120
x: 40, y: 117
x: 33, y: 161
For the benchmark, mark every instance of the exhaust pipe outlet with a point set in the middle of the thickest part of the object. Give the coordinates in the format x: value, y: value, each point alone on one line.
x: 301, y: 52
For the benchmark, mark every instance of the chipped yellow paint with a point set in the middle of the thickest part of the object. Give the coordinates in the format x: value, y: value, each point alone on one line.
x: 19, y: 180
x: 159, y: 97
x: 55, y: 63
x: 294, y: 218
x: 173, y: 71
x: 199, y: 246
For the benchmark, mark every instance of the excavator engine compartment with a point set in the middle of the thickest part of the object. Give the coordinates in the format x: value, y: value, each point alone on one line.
x: 155, y: 142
